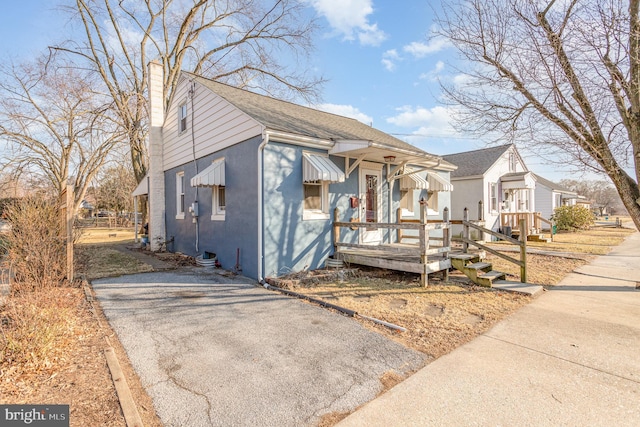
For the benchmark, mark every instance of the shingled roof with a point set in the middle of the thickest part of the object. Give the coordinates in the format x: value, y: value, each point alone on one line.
x: 553, y: 186
x: 285, y: 116
x: 476, y: 162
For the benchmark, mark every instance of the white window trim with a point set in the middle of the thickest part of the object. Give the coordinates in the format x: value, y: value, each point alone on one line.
x: 323, y: 212
x: 179, y: 183
x: 186, y: 109
x: 494, y: 186
x: 216, y: 215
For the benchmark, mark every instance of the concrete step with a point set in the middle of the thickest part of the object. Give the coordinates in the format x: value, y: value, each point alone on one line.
x: 518, y: 287
x: 487, y: 279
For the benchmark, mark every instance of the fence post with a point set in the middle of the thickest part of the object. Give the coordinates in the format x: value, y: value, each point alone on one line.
x: 336, y: 230
x: 465, y: 230
x: 399, y: 220
x: 523, y: 250
x: 424, y: 243
x: 446, y: 239
x: 481, y: 218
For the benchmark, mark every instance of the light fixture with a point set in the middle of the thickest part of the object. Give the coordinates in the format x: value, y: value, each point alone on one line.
x: 389, y: 159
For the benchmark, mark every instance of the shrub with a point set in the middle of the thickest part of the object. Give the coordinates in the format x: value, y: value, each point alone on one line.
x: 572, y: 218
x: 35, y: 244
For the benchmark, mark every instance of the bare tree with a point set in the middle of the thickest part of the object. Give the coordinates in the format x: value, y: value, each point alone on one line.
x: 114, y: 185
x: 56, y: 127
x: 602, y: 194
x: 561, y: 76
x: 243, y: 42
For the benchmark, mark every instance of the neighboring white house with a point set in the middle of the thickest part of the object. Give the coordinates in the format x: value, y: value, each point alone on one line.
x: 496, y: 176
x: 550, y: 196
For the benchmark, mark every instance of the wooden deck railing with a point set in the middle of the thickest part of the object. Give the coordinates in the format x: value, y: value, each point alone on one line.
x: 421, y: 249
x: 522, y: 243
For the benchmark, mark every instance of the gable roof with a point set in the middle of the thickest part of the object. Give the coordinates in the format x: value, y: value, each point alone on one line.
x: 476, y: 162
x: 288, y: 117
x: 553, y: 186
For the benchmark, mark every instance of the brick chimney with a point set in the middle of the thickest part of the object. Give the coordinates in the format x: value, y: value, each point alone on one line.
x: 157, y: 231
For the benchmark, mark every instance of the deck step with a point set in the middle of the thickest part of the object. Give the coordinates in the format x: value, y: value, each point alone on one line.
x: 487, y: 279
x: 472, y: 271
x: 478, y: 266
x: 465, y: 257
x: 460, y: 260
x: 538, y: 238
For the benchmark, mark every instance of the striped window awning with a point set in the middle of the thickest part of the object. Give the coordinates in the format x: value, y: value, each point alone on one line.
x: 212, y: 175
x: 316, y: 167
x: 413, y: 182
x: 438, y: 183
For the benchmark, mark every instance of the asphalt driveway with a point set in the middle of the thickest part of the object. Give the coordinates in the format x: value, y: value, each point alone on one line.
x: 212, y: 350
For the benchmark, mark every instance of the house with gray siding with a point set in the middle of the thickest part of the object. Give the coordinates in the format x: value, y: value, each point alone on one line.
x: 255, y: 179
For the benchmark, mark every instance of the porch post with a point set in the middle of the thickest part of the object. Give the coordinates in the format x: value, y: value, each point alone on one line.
x: 446, y: 239
x: 399, y: 221
x: 465, y: 230
x: 523, y: 251
x: 336, y: 230
x: 424, y: 243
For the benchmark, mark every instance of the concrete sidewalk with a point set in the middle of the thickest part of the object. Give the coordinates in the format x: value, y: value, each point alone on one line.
x: 571, y: 357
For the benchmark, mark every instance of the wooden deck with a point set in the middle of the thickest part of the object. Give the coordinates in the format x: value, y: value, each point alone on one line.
x: 399, y: 257
x: 419, y: 257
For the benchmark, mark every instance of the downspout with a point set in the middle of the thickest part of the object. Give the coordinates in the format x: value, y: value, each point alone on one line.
x: 390, y: 206
x: 265, y: 141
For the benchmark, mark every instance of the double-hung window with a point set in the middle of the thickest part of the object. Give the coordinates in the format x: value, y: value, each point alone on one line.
x: 493, y: 196
x: 219, y: 205
x: 182, y: 117
x: 180, y: 195
x: 318, y: 172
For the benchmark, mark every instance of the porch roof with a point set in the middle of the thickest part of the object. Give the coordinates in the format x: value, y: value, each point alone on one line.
x: 382, y: 152
x: 518, y: 180
x: 316, y: 167
x: 212, y: 175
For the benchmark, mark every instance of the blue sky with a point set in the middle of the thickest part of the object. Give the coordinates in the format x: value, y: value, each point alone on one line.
x: 380, y: 60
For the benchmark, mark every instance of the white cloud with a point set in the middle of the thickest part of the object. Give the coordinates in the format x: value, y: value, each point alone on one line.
x: 433, y: 74
x: 420, y: 50
x: 351, y: 19
x: 346, y: 111
x: 434, y: 121
x: 389, y: 59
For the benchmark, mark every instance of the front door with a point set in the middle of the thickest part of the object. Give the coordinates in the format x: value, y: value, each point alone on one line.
x: 370, y: 202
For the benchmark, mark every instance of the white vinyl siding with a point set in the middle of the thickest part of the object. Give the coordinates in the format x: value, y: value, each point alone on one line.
x: 216, y: 125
